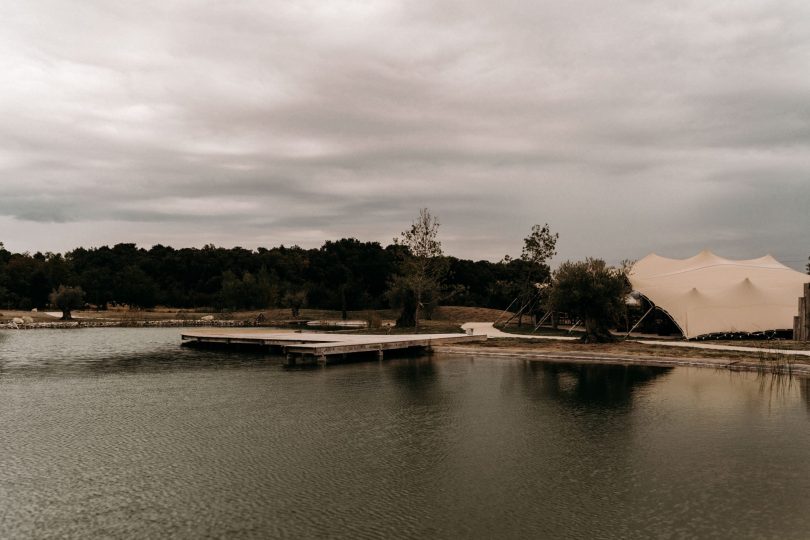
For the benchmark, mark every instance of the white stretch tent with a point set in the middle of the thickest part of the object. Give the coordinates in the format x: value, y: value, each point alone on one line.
x: 707, y: 294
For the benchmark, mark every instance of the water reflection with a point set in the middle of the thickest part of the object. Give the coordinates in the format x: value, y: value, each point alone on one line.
x: 804, y: 391
x: 173, y: 362
x: 99, y: 351
x: 150, y: 361
x: 417, y: 375
x: 772, y: 387
x: 167, y: 443
x: 592, y: 385
x: 775, y: 386
x: 416, y: 383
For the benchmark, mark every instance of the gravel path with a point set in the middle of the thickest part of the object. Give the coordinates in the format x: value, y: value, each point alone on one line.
x: 488, y: 329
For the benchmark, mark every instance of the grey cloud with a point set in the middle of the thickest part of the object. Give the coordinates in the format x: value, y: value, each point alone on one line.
x: 630, y: 127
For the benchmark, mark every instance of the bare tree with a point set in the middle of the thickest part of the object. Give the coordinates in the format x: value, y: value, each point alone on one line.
x: 423, y: 266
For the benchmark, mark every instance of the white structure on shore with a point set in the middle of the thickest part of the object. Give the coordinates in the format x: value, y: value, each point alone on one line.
x: 708, y: 294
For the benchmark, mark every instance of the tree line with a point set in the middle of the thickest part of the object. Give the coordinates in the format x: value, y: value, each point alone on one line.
x: 345, y: 275
x: 412, y: 274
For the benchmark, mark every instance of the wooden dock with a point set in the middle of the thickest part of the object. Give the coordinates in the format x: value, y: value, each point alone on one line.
x: 320, y: 347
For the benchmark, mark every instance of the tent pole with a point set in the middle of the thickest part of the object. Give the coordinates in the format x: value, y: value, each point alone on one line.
x: 546, y: 316
x: 505, y: 311
x: 639, y: 321
x: 527, y: 304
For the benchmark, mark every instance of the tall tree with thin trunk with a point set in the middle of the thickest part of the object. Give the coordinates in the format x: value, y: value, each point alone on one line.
x: 540, y: 245
x: 423, y: 266
x: 538, y: 248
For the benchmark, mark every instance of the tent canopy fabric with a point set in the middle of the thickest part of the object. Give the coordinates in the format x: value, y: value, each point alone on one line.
x: 708, y: 294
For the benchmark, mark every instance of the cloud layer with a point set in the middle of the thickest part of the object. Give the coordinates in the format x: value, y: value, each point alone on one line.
x: 628, y: 126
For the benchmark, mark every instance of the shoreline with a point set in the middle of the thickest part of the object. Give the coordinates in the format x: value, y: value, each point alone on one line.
x: 787, y: 368
x: 767, y: 362
x: 140, y: 323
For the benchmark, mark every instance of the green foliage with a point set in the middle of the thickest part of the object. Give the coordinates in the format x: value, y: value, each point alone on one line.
x: 591, y: 291
x: 98, y: 282
x: 67, y: 299
x: 402, y: 296
x: 5, y: 297
x: 345, y: 274
x: 295, y: 300
x: 134, y: 287
x: 422, y: 238
x: 540, y: 245
x: 532, y: 271
x: 247, y: 292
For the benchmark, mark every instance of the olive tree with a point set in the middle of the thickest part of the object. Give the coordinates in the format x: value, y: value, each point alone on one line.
x: 591, y: 291
x: 67, y: 299
x: 295, y: 300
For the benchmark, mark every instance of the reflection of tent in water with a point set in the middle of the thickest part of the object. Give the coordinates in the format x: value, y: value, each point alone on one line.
x: 707, y: 294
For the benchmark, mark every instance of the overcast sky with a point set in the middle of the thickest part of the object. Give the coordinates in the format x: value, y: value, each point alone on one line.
x: 628, y: 126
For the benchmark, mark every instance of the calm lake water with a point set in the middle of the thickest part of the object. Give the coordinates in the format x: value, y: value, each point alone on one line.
x: 123, y: 433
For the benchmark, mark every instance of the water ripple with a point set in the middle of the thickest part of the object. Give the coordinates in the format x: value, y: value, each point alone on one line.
x: 120, y: 433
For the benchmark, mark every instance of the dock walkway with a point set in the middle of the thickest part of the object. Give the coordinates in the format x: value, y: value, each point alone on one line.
x: 319, y: 347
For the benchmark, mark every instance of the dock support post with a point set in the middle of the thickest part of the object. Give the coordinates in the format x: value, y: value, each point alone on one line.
x: 321, y: 359
x: 801, y: 323
x: 806, y: 329
x: 290, y: 359
x: 380, y: 355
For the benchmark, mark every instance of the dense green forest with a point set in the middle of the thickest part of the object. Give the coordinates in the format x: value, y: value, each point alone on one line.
x: 346, y: 274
